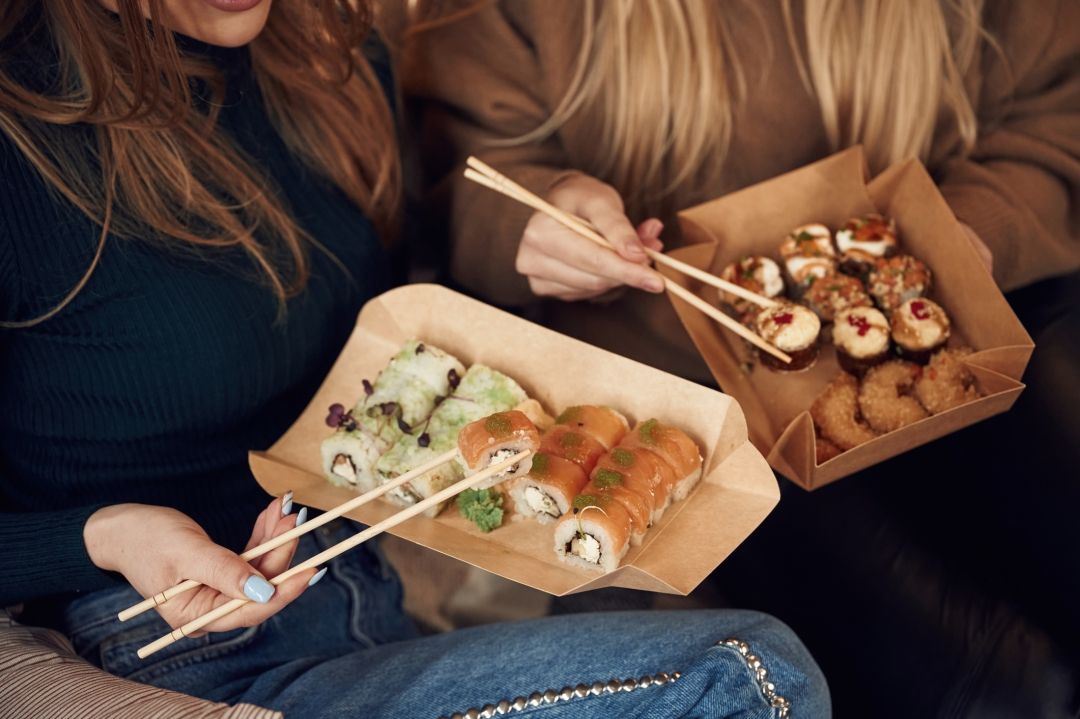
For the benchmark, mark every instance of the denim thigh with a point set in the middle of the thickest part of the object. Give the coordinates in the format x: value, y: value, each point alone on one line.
x: 356, y: 606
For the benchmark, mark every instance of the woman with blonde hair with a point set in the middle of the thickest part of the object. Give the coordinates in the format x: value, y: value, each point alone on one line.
x: 626, y: 111
x: 197, y: 198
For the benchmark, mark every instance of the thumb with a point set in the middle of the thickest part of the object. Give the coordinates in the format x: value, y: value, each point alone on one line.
x: 217, y: 567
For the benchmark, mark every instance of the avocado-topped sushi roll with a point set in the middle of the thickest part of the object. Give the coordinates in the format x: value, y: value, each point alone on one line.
x: 595, y: 535
x: 835, y: 293
x: 896, y: 280
x: 494, y: 439
x: 793, y: 329
x: 864, y: 240
x: 861, y: 336
x: 548, y: 490
x: 603, y: 424
x: 760, y: 275
x: 349, y: 454
x: 919, y: 328
x: 807, y: 253
x: 482, y: 391
x: 430, y: 365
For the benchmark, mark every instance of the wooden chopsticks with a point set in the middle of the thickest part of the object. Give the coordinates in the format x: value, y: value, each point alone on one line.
x: 482, y: 173
x: 339, y: 548
x: 310, y: 525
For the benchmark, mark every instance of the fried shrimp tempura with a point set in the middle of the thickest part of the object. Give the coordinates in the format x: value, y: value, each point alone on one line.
x: 825, y: 450
x: 835, y: 412
x: 885, y: 398
x: 945, y: 382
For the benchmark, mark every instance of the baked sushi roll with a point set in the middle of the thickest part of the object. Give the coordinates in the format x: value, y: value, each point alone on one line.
x: 861, y: 336
x: 760, y: 275
x: 919, y: 328
x: 547, y: 492
x: 674, y: 447
x: 793, y: 329
x: 494, y: 439
x: 834, y: 293
x: 897, y: 279
x: 595, y: 536
x: 862, y: 241
x: 807, y: 254
x: 603, y: 424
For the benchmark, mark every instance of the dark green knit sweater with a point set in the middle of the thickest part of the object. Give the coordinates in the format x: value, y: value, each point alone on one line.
x: 166, y: 369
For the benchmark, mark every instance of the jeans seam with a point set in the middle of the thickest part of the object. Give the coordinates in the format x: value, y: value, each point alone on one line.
x: 196, y: 655
x: 524, y: 705
x: 779, y: 706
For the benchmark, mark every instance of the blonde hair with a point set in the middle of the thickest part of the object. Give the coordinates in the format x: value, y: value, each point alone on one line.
x: 158, y: 166
x: 661, y: 82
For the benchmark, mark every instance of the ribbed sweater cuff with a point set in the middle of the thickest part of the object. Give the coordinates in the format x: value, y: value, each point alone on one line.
x: 45, y: 555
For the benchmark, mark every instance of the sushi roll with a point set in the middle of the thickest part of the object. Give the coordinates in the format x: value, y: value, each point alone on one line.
x: 637, y: 505
x: 833, y: 293
x: 595, y: 536
x: 760, y: 275
x: 674, y: 447
x: 642, y: 471
x: 807, y: 254
x: 896, y: 280
x: 864, y: 240
x: 494, y: 439
x: 603, y: 424
x: 793, y: 329
x: 919, y: 328
x: 861, y: 336
x: 482, y: 391
x: 547, y: 492
x: 578, y: 447
x: 349, y: 457
x: 536, y: 414
x: 429, y: 364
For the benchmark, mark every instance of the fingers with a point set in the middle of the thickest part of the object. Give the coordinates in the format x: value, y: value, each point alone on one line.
x: 278, y: 560
x: 612, y: 223
x: 219, y: 569
x: 649, y: 233
x: 252, y: 613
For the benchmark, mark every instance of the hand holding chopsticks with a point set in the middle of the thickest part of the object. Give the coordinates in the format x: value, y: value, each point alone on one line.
x: 338, y: 511
x: 484, y: 174
x: 325, y: 556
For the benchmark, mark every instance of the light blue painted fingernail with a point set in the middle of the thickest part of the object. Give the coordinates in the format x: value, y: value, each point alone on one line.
x: 258, y: 589
x: 301, y: 516
x: 318, y: 575
x: 286, y: 503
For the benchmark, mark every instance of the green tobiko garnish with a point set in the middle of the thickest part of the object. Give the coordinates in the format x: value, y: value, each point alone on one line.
x: 586, y: 500
x: 622, y: 457
x: 541, y: 464
x: 568, y: 415
x: 571, y: 439
x: 605, y: 478
x: 498, y: 425
x: 647, y: 431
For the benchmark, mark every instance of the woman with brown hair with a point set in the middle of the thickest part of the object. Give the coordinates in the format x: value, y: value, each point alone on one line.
x: 197, y: 198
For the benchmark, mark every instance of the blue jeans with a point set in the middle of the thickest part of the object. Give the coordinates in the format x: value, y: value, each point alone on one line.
x: 346, y: 649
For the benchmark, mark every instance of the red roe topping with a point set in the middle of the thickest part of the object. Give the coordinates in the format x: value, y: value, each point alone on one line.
x: 784, y: 318
x: 859, y: 323
x: 920, y: 311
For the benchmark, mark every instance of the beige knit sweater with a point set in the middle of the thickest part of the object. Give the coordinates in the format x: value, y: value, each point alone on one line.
x: 500, y: 72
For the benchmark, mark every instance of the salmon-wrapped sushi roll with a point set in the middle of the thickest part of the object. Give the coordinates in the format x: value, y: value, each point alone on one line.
x: 580, y: 448
x: 603, y: 424
x: 635, y: 503
x: 494, y: 439
x: 596, y: 536
x: 548, y: 490
x: 673, y: 446
x: 641, y: 469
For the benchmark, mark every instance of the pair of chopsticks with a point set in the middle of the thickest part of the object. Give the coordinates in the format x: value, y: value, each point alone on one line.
x: 482, y: 173
x: 326, y: 555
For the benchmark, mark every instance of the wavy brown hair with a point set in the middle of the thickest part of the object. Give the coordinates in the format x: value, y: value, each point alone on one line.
x: 157, y: 167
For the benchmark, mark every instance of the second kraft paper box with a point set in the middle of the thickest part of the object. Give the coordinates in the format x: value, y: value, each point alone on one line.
x: 755, y: 220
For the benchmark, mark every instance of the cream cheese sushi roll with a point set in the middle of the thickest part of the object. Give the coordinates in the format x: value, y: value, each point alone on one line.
x: 547, y: 492
x: 429, y: 364
x: 494, y: 439
x: 595, y: 536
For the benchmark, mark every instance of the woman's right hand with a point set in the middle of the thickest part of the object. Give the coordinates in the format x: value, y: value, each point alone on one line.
x: 561, y: 263
x: 157, y: 547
